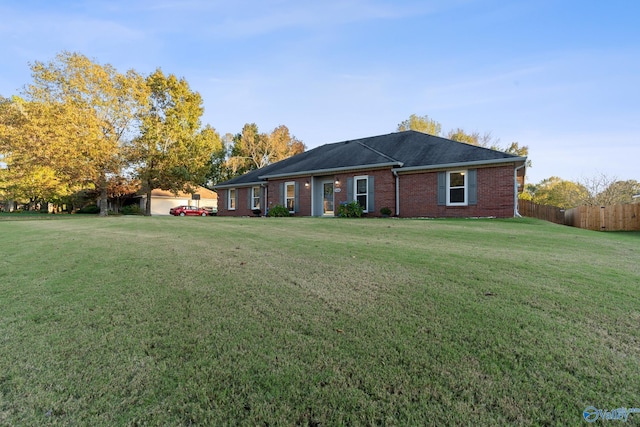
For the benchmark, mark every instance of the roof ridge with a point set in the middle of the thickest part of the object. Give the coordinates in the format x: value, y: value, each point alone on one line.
x: 378, y: 152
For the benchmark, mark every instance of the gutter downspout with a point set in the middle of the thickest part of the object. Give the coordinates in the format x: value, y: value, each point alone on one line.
x: 516, y: 214
x: 395, y: 173
x: 265, y: 211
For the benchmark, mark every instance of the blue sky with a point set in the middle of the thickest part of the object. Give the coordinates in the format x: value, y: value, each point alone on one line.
x: 560, y: 76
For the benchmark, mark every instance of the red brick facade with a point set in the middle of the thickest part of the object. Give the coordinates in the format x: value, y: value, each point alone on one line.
x: 418, y: 194
x: 304, y: 194
x: 419, y: 198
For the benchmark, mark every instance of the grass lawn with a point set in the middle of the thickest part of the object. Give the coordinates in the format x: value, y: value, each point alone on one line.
x: 301, y: 321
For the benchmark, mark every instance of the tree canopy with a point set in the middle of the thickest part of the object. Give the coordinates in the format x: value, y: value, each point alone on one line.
x: 172, y: 151
x: 421, y: 124
x: 599, y: 190
x: 254, y: 150
x: 73, y: 121
x: 84, y: 127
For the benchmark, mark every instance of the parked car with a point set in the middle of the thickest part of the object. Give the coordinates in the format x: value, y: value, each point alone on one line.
x: 188, y: 210
x: 211, y: 210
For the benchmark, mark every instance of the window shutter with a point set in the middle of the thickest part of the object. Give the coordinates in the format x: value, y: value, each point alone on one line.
x: 283, y: 200
x: 237, y: 194
x: 442, y: 188
x: 350, y: 190
x: 249, y: 198
x: 472, y: 186
x: 296, y: 201
x: 371, y: 205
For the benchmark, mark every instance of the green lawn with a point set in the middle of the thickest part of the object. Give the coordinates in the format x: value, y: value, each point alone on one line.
x: 301, y: 321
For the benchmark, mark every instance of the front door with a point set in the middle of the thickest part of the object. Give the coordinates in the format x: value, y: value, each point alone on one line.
x: 327, y: 202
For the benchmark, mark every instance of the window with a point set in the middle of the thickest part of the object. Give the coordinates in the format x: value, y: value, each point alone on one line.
x: 456, y: 188
x: 232, y: 199
x: 255, y: 198
x: 361, y: 191
x: 290, y: 196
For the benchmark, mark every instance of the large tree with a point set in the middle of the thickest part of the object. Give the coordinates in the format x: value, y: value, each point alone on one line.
x: 253, y: 150
x: 173, y: 151
x: 219, y: 171
x: 421, y: 124
x: 556, y: 191
x: 38, y: 151
x: 97, y: 107
x: 474, y: 138
x: 605, y: 190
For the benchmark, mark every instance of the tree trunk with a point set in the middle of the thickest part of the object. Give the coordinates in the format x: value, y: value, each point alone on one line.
x: 104, y: 208
x: 102, y: 201
x: 147, y: 208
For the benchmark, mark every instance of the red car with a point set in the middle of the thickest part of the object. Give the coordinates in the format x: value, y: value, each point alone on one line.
x: 188, y: 210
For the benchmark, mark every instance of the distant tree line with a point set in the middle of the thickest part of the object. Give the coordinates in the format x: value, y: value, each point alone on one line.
x: 85, y: 128
x: 599, y: 190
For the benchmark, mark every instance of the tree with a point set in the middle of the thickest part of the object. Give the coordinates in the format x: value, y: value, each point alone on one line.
x: 102, y: 106
x: 622, y: 191
x: 517, y: 150
x: 254, y: 150
x: 37, y: 149
x: 247, y: 150
x: 557, y: 192
x: 97, y: 107
x: 282, y: 145
x: 603, y: 190
x: 485, y: 140
x: 121, y: 188
x: 219, y: 171
x: 172, y: 152
x: 421, y: 124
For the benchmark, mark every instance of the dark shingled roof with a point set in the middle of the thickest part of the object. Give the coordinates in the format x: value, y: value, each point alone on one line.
x: 401, y: 150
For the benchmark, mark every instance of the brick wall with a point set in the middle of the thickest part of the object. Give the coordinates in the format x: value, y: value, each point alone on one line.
x: 242, y: 205
x: 223, y: 202
x: 384, y: 187
x: 419, y: 195
x: 304, y: 194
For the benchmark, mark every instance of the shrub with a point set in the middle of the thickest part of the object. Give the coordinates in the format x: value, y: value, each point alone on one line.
x: 279, y: 211
x: 350, y: 210
x: 89, y: 209
x: 131, y: 210
x: 256, y: 212
x: 385, y: 211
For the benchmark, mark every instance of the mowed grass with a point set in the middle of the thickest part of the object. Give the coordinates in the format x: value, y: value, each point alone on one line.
x: 301, y: 321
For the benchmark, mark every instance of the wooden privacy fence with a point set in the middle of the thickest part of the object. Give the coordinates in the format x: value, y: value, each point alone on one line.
x: 605, y: 218
x: 545, y: 212
x: 600, y: 218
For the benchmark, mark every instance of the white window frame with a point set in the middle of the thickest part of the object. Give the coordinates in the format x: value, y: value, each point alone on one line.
x: 465, y: 202
x: 291, y: 184
x: 231, y: 199
x: 365, y: 194
x: 255, y: 198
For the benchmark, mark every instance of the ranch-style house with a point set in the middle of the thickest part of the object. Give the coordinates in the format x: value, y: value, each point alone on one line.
x: 411, y: 173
